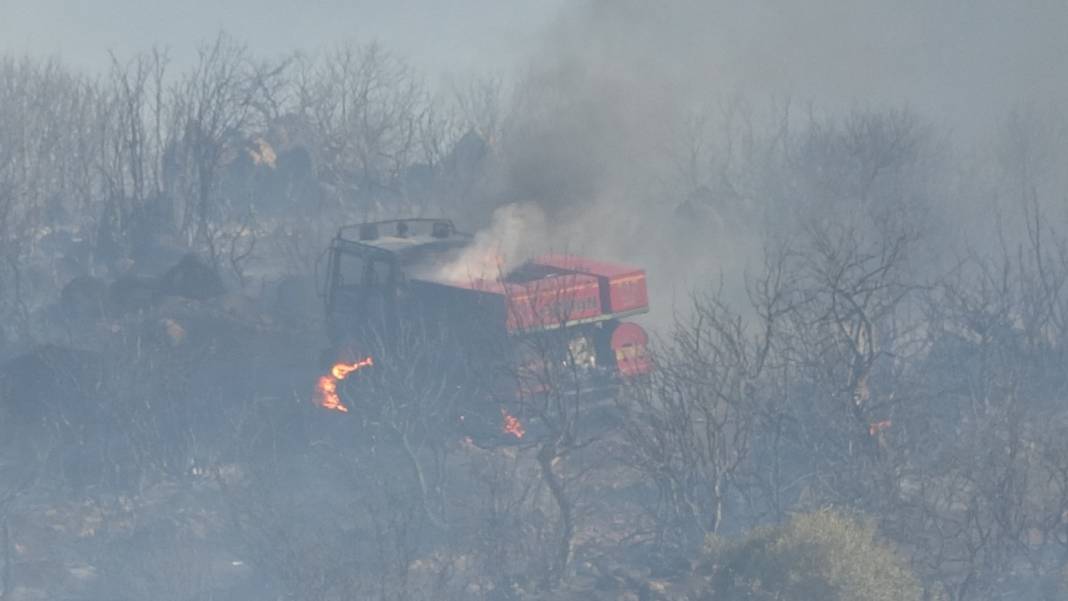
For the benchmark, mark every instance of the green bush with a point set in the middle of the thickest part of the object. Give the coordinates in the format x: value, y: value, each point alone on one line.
x: 819, y: 556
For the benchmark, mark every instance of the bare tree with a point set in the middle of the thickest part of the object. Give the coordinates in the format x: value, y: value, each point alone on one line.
x: 411, y: 396
x: 365, y: 109
x: 43, y: 126
x: 690, y: 424
x: 553, y: 360
x: 215, y: 108
x: 133, y: 115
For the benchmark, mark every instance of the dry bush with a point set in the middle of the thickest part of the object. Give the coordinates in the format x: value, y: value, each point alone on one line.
x: 822, y: 555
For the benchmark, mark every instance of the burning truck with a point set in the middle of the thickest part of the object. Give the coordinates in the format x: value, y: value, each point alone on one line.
x: 384, y: 276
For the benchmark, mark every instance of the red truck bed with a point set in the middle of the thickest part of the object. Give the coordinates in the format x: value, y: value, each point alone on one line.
x: 542, y: 303
x: 557, y: 291
x: 623, y: 288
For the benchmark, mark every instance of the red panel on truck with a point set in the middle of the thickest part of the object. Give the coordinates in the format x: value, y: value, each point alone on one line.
x: 552, y: 301
x: 630, y: 344
x: 541, y: 303
x: 623, y: 287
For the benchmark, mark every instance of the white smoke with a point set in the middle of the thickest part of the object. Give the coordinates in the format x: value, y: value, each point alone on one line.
x: 515, y: 234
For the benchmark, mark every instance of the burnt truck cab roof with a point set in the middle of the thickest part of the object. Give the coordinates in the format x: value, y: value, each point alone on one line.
x: 380, y: 253
x: 367, y: 263
x: 404, y: 240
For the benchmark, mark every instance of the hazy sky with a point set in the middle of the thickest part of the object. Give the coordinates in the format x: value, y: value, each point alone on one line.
x: 950, y: 58
x: 437, y: 36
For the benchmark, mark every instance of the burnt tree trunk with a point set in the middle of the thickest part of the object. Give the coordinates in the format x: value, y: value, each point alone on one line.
x: 5, y: 574
x: 547, y: 456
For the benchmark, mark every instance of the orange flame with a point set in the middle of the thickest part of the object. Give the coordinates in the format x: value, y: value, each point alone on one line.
x: 876, y: 427
x: 328, y: 397
x: 512, y: 425
x: 327, y: 387
x: 341, y: 370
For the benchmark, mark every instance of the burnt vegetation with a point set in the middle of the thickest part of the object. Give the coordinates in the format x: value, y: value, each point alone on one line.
x: 877, y: 411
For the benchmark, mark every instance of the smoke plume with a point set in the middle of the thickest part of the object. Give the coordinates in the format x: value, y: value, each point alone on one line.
x: 512, y: 236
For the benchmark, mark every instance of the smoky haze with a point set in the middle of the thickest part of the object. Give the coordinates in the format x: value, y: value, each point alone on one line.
x: 435, y: 37
x: 962, y: 62
x: 622, y: 102
x: 851, y: 218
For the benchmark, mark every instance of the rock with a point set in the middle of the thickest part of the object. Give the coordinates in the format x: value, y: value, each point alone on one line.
x: 670, y: 566
x: 172, y: 331
x: 84, y: 297
x: 132, y: 293
x: 295, y: 301
x: 48, y: 380
x: 468, y: 153
x: 238, y: 306
x: 156, y: 256
x: 191, y: 278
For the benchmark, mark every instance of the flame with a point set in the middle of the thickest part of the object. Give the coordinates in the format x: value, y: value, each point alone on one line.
x: 512, y: 425
x: 328, y: 397
x: 327, y: 387
x: 341, y: 370
x: 876, y: 427
x: 261, y: 153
